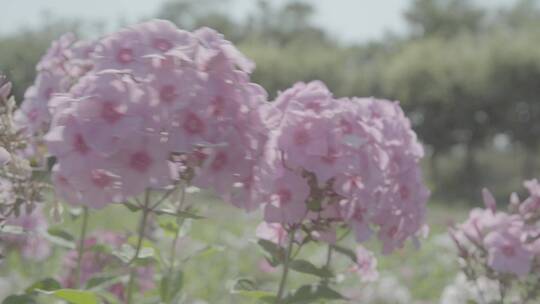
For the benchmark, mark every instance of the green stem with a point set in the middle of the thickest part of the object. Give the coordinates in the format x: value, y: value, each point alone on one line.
x: 285, y: 272
x: 146, y: 212
x: 179, y: 223
x: 80, y: 254
x: 328, y: 261
x: 329, y: 256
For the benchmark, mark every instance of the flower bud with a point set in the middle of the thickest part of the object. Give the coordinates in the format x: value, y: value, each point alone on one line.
x: 5, y: 87
x: 5, y: 157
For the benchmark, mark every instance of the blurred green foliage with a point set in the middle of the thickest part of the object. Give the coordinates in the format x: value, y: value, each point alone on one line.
x: 467, y: 76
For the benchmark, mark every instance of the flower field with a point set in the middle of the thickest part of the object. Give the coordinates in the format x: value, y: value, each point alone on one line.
x: 147, y: 166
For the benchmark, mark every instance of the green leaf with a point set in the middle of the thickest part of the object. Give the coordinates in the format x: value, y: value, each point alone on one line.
x: 259, y: 295
x: 304, y: 266
x: 62, y: 239
x: 99, y: 280
x: 169, y: 226
x: 101, y: 248
x: 127, y: 254
x: 19, y: 299
x: 178, y: 214
x: 131, y: 207
x: 207, y: 251
x: 47, y: 284
x: 170, y: 286
x: 311, y: 293
x: 244, y: 284
x: 276, y: 253
x: 74, y: 296
x: 346, y: 252
x: 57, y: 232
x: 11, y: 229
x: 108, y: 297
x: 248, y: 288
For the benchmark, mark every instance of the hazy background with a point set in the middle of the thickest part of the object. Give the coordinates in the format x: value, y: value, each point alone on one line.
x: 466, y: 72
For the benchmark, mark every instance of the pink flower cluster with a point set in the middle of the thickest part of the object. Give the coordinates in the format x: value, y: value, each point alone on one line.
x: 330, y: 161
x: 154, y: 101
x: 66, y: 60
x: 503, y: 242
x: 96, y: 260
x: 31, y: 243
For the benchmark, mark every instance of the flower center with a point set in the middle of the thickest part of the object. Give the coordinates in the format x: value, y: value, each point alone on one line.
x: 315, y: 106
x: 110, y: 113
x: 193, y: 124
x: 301, y: 137
x: 162, y: 44
x: 79, y: 144
x: 33, y: 115
x: 508, y: 250
x: 218, y: 106
x: 140, y: 161
x: 392, y: 231
x: 331, y: 157
x: 285, y: 196
x: 346, y: 126
x: 167, y: 93
x: 125, y: 56
x: 62, y: 180
x: 404, y: 192
x: 219, y: 161
x: 48, y: 93
x: 100, y: 178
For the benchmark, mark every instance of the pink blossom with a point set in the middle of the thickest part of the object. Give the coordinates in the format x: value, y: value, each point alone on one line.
x: 287, y: 200
x: 55, y: 57
x: 481, y: 222
x: 273, y: 232
x: 504, y: 242
x: 489, y: 200
x: 31, y: 244
x: 507, y: 253
x: 64, y: 187
x: 266, y: 267
x: 121, y: 51
x: 531, y: 206
x: 142, y: 162
x: 160, y: 36
x: 366, y: 265
x: 325, y: 235
x: 105, y: 118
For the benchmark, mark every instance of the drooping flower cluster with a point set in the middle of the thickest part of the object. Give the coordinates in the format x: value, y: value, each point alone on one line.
x: 29, y: 241
x: 18, y: 189
x: 347, y: 161
x: 503, y: 245
x: 97, y: 259
x: 158, y: 104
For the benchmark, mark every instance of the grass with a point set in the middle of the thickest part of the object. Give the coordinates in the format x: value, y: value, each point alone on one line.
x: 234, y: 254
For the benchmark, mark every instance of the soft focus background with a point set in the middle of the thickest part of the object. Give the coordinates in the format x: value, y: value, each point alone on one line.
x: 467, y: 73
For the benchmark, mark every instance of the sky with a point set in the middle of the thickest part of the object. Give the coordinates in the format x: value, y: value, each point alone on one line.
x: 348, y: 20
